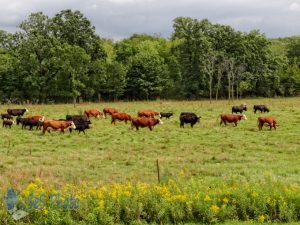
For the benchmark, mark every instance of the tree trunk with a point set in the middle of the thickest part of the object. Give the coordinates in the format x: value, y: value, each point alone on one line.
x: 74, y: 101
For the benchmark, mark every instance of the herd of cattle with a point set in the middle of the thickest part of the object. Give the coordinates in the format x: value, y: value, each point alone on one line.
x: 145, y: 118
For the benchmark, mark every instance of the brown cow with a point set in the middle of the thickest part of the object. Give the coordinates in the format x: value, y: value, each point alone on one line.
x: 120, y: 116
x: 93, y: 112
x: 6, y: 116
x: 269, y: 120
x: 231, y: 118
x: 7, y: 123
x: 57, y: 125
x: 145, y: 122
x: 36, y: 118
x: 148, y: 113
x: 109, y: 111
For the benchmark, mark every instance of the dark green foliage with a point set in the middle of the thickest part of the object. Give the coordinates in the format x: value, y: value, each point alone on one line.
x: 62, y: 58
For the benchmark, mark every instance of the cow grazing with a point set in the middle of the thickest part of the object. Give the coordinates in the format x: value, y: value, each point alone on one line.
x: 240, y: 108
x: 93, y: 113
x: 6, y: 123
x: 57, y: 125
x: 109, y: 111
x: 148, y: 113
x: 17, y: 112
x: 120, y: 116
x: 166, y: 114
x: 271, y: 121
x: 261, y: 108
x: 145, y: 122
x: 188, y: 117
x: 6, y: 116
x: 231, y: 118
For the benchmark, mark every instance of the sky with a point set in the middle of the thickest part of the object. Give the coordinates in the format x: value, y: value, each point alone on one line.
x: 118, y: 19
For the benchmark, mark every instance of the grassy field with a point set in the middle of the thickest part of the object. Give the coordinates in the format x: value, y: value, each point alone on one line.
x: 117, y: 153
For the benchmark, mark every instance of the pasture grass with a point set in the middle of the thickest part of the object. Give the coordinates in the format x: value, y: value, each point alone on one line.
x: 109, y: 153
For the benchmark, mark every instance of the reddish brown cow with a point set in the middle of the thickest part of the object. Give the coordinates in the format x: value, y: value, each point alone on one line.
x: 93, y: 112
x: 36, y: 118
x: 269, y: 120
x: 109, y: 111
x: 144, y: 122
x: 120, y: 116
x: 231, y: 118
x: 57, y: 125
x: 148, y: 113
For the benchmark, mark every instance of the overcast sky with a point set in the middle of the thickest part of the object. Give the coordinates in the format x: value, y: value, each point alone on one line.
x: 118, y: 19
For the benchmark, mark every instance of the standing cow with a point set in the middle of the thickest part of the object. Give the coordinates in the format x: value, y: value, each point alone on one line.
x: 269, y: 120
x: 148, y: 113
x: 231, y: 118
x: 93, y: 112
x: 240, y: 109
x: 120, y: 116
x: 145, y: 122
x: 17, y: 112
x: 109, y: 111
x: 261, y: 108
x: 188, y: 117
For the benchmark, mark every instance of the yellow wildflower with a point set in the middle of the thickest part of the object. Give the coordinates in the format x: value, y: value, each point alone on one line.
x: 225, y: 200
x: 207, y: 198
x: 215, y: 209
x: 261, y: 218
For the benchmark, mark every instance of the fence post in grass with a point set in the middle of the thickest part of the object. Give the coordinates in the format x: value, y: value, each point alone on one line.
x: 157, y: 167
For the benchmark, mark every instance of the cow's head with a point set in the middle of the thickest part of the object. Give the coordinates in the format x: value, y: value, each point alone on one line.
x: 26, y: 110
x: 198, y: 119
x: 72, y: 125
x: 267, y: 110
x: 160, y: 121
x: 42, y: 119
x: 243, y: 117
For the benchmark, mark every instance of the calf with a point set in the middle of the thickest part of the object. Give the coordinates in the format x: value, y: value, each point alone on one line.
x: 188, y: 117
x: 240, y: 108
x: 6, y: 123
x: 231, y: 118
x: 145, y: 122
x: 6, y: 116
x: 261, y: 108
x: 166, y: 114
x: 269, y: 120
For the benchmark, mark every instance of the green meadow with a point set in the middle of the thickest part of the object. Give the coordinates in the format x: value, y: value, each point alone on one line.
x: 117, y: 153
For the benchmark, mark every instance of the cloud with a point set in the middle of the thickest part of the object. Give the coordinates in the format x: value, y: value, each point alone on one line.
x: 121, y: 18
x: 294, y: 6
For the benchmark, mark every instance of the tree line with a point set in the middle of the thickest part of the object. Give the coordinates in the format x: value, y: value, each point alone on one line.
x: 62, y: 59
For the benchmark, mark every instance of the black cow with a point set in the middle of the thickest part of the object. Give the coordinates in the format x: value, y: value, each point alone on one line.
x: 189, y: 117
x: 82, y: 118
x: 80, y: 125
x: 31, y: 123
x: 19, y: 120
x: 261, y: 108
x: 17, y: 112
x: 240, y: 109
x: 166, y: 114
x: 6, y: 116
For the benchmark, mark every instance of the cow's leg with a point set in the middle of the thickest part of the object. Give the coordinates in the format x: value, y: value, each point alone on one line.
x: 182, y: 124
x: 192, y: 125
x: 150, y: 128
